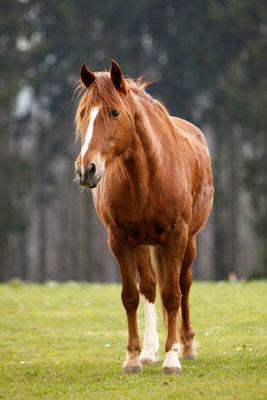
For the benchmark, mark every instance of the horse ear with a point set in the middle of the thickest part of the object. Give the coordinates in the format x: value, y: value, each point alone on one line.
x: 87, y: 76
x: 116, y: 76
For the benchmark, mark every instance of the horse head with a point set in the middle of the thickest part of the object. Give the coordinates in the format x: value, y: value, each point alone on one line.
x: 104, y: 122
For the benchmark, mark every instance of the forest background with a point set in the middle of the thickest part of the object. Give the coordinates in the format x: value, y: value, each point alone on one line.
x: 208, y: 59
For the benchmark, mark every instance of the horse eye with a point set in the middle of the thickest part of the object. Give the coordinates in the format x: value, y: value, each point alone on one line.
x: 114, y: 114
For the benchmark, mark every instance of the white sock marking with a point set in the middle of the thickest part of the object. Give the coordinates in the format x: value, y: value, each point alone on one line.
x: 172, y: 360
x: 89, y: 133
x: 151, y: 340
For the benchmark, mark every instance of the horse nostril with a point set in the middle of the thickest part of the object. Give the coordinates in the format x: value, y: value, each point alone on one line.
x: 91, y: 170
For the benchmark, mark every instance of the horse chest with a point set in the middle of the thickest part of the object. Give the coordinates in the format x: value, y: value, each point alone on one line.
x: 142, y: 220
x: 125, y: 212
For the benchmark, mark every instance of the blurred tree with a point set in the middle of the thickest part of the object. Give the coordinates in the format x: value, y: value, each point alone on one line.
x: 240, y: 98
x: 15, y: 171
x: 209, y: 60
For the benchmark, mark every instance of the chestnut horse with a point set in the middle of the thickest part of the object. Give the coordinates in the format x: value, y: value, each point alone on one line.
x: 151, y: 181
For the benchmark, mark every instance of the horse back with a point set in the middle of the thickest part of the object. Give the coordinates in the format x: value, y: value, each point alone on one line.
x: 190, y: 130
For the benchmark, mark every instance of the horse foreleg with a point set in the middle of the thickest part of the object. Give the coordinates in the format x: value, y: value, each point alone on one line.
x: 147, y: 287
x: 130, y: 299
x: 173, y: 251
x: 186, y: 331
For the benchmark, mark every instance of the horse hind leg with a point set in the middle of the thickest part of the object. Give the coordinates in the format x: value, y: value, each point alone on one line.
x: 156, y: 255
x: 187, y: 333
x: 147, y: 287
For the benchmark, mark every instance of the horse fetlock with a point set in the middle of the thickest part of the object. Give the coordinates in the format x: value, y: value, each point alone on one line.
x: 189, y: 350
x: 172, y: 364
x: 187, y: 336
x: 149, y: 357
x: 150, y: 353
x: 132, y: 363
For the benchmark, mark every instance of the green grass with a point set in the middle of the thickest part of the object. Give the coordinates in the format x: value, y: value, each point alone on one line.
x: 68, y: 342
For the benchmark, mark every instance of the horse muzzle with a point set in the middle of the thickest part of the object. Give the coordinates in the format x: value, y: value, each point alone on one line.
x: 89, y: 177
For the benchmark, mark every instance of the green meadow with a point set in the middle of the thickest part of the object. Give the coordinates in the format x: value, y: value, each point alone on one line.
x: 68, y: 341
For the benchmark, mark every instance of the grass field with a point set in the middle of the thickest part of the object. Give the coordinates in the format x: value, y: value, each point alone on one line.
x: 68, y: 342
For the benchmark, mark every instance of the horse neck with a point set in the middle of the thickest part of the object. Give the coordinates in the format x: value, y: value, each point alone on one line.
x: 145, y: 156
x: 152, y: 122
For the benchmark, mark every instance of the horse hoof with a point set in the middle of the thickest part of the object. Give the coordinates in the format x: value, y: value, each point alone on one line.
x: 132, y: 369
x: 171, y: 370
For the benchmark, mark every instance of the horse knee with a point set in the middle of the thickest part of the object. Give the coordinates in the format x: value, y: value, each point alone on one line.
x: 130, y: 298
x: 171, y: 299
x: 114, y: 244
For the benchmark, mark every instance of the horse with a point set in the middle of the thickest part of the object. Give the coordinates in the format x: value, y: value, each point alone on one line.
x: 151, y: 180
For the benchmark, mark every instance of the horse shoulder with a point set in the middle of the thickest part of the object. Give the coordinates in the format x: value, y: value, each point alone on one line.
x: 118, y: 197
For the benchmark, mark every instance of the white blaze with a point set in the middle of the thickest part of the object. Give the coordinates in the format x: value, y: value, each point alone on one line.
x: 89, y: 133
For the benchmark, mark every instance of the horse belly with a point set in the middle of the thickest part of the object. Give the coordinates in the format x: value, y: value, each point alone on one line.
x: 143, y: 235
x: 142, y: 231
x: 201, y: 209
